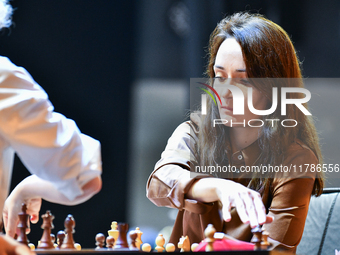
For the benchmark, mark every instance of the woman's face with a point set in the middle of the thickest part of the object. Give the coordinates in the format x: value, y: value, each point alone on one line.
x: 230, y: 69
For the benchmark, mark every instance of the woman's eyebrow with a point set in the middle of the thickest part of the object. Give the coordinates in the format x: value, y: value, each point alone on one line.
x: 219, y: 67
x: 237, y: 70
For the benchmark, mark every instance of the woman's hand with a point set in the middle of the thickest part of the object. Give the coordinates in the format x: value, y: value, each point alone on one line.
x: 13, y: 206
x: 8, y: 246
x: 31, y: 190
x: 247, y: 202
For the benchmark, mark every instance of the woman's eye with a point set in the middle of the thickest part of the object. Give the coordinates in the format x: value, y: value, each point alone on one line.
x: 220, y: 79
x: 246, y: 82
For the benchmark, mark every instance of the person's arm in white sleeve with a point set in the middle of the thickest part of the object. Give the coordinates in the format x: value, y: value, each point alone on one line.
x: 65, y: 164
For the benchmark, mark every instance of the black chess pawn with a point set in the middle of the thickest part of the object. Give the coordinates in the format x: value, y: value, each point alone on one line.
x: 60, y: 238
x: 257, y: 237
x: 110, y: 242
x: 69, y: 230
x: 100, y: 241
x: 23, y: 225
x: 133, y: 236
x: 46, y: 239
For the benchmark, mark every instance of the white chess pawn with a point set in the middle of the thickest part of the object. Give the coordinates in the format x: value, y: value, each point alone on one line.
x: 194, y: 246
x: 31, y: 246
x: 146, y: 247
x: 170, y: 247
x: 77, y: 246
x: 160, y: 241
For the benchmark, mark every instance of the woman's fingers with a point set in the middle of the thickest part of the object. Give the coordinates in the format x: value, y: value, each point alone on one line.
x: 248, y: 205
x: 241, y: 208
x: 33, y: 209
x: 260, y: 209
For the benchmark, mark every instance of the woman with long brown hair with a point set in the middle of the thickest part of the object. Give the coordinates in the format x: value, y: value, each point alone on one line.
x: 252, y: 54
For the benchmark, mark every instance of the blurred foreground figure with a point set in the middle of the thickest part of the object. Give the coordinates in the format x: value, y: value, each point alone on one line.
x: 65, y: 164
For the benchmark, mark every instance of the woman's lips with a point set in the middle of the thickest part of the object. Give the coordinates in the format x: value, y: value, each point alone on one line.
x: 228, y: 108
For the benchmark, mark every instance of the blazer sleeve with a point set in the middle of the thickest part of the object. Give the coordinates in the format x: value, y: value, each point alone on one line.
x: 290, y: 200
x: 50, y: 145
x: 172, y: 178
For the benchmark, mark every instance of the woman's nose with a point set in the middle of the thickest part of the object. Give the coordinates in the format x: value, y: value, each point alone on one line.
x: 226, y: 93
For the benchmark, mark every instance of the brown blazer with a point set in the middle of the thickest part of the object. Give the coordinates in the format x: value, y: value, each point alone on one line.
x: 286, y: 199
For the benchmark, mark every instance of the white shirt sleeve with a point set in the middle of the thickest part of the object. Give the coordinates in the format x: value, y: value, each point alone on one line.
x: 49, y: 145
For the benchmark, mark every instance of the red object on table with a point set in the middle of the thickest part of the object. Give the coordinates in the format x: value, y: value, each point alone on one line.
x: 227, y: 245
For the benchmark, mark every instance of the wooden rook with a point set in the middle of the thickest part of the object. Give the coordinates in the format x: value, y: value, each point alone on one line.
x: 69, y: 230
x: 60, y: 238
x: 46, y: 241
x: 209, y: 233
x: 257, y: 237
x: 23, y: 225
x: 121, y: 242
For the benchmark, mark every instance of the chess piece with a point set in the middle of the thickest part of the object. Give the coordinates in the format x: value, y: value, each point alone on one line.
x: 77, y: 246
x: 69, y: 230
x: 257, y: 237
x: 184, y: 244
x: 46, y: 240
x: 23, y: 225
x: 133, y: 236
x: 139, y: 241
x: 53, y: 241
x: 170, y: 247
x: 31, y: 246
x: 114, y: 232
x: 209, y: 237
x: 122, y: 240
x: 60, y: 238
x: 194, y: 246
x: 265, y: 243
x: 160, y: 241
x: 100, y: 241
x: 110, y: 242
x: 146, y: 247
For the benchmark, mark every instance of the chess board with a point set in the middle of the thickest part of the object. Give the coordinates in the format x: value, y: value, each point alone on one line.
x: 122, y: 252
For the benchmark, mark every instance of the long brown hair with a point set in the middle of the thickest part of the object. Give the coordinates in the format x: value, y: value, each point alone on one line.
x: 268, y: 53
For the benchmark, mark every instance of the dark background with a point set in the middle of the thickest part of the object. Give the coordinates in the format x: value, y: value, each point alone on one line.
x: 87, y: 54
